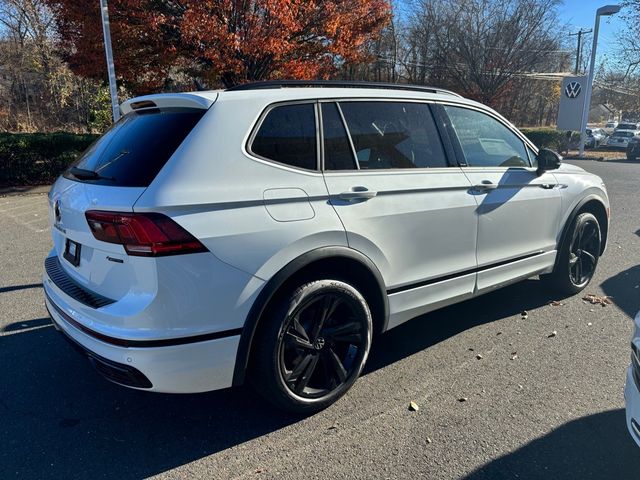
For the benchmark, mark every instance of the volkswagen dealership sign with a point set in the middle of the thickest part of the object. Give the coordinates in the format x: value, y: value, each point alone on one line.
x: 571, y: 103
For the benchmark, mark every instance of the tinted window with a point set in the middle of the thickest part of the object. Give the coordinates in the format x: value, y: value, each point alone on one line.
x: 623, y: 134
x: 485, y: 141
x: 288, y: 135
x: 133, y: 150
x: 393, y: 135
x: 337, y: 150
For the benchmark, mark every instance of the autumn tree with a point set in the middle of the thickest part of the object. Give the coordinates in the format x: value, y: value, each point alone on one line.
x: 219, y: 41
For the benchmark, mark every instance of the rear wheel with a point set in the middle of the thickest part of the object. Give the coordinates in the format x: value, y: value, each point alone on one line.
x: 578, y: 256
x: 313, y: 346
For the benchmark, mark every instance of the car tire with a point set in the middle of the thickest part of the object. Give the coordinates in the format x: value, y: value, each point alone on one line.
x: 312, y: 346
x: 578, y: 256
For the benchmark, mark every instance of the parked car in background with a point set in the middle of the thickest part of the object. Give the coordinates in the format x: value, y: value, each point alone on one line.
x: 627, y: 126
x: 610, y: 127
x: 633, y: 148
x: 270, y: 231
x: 595, y: 137
x: 620, y: 138
x: 632, y: 387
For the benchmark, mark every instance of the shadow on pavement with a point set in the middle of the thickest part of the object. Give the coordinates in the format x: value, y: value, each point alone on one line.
x: 13, y: 288
x: 427, y: 330
x: 60, y: 417
x: 623, y: 292
x: 597, y: 446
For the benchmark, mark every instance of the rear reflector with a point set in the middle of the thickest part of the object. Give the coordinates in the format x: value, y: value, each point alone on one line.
x: 143, y: 234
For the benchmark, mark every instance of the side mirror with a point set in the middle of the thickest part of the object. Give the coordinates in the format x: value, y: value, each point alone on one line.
x: 548, y: 160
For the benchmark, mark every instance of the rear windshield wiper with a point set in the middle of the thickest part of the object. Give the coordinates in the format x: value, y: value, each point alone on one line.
x: 84, y: 174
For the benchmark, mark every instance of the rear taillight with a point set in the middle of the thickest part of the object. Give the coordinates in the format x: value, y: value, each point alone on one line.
x: 143, y: 234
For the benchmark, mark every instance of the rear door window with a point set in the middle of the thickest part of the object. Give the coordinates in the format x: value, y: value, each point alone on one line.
x: 389, y: 135
x: 288, y: 135
x: 133, y: 150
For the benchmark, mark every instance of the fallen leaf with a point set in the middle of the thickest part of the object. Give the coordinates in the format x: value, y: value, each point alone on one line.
x: 555, y: 303
x: 479, y: 357
x: 589, y: 324
x: 514, y: 355
x: 552, y: 334
x: 524, y: 314
x: 429, y: 440
x: 603, y: 300
x: 413, y: 407
x: 462, y: 399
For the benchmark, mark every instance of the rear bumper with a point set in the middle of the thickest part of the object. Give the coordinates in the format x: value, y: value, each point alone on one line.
x: 196, y: 366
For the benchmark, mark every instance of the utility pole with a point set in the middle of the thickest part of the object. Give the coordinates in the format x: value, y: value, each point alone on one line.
x: 113, y: 89
x: 579, y: 33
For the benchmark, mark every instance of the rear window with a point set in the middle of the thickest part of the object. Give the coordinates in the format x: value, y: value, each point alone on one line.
x: 133, y: 150
x: 623, y: 134
x: 287, y: 135
x: 626, y: 126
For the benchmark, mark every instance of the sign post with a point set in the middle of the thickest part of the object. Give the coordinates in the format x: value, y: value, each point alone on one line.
x: 111, y: 70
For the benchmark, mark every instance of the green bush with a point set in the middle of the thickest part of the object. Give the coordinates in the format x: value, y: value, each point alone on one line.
x: 38, y: 158
x: 545, y: 137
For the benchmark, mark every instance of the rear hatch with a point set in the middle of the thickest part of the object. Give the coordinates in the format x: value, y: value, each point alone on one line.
x: 109, y: 177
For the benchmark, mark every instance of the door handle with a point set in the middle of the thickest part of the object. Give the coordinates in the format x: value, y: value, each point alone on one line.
x: 548, y: 186
x: 485, y: 185
x: 358, y: 193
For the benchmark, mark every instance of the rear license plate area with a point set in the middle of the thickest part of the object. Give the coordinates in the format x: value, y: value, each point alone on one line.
x: 72, y: 252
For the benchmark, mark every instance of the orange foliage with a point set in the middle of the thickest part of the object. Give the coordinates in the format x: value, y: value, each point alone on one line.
x: 227, y: 41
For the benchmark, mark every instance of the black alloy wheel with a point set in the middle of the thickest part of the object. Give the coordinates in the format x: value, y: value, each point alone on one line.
x: 584, y: 252
x: 577, y: 257
x: 322, y: 342
x: 313, y: 346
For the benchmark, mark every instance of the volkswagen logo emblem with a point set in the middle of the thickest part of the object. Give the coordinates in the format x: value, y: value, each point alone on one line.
x: 573, y: 89
x: 56, y: 211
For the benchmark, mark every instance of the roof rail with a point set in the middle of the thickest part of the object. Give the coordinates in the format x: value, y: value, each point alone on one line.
x: 337, y: 84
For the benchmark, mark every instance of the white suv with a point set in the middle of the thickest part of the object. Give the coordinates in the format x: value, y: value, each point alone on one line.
x: 268, y: 232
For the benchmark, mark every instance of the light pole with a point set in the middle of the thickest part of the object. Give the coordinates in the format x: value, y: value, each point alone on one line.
x: 111, y: 70
x: 602, y: 11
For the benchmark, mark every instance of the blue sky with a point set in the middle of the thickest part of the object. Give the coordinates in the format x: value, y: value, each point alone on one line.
x: 581, y: 13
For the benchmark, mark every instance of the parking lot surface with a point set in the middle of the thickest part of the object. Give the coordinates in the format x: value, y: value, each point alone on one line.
x: 499, y: 396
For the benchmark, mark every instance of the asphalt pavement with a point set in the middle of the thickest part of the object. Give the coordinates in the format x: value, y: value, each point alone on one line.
x: 533, y: 406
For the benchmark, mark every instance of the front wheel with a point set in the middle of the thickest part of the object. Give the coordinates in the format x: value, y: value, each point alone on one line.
x: 578, y: 256
x: 313, y: 346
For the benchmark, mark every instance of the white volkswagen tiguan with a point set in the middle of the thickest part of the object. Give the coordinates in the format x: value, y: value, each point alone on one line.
x: 269, y: 232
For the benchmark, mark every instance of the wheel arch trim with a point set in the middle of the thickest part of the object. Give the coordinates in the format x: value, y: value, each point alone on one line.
x: 278, y: 280
x: 574, y: 213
